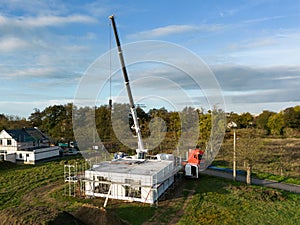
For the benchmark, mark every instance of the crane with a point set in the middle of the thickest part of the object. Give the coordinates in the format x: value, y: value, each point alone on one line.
x: 141, y: 151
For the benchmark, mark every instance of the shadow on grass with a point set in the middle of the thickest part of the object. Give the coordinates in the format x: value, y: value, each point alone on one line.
x: 172, y: 204
x: 277, y: 178
x: 134, y: 213
x: 221, y: 163
x: 65, y: 218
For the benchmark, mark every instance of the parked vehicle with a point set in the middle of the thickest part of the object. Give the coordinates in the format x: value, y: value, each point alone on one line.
x: 192, y: 166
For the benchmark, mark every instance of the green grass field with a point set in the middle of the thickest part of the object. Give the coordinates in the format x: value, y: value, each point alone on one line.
x: 33, y: 194
x: 219, y: 201
x: 277, y: 156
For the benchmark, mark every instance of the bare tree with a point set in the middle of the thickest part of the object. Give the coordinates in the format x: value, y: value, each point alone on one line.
x: 248, y: 151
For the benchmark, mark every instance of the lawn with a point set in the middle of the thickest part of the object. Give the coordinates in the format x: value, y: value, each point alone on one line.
x: 31, y: 194
x: 219, y: 201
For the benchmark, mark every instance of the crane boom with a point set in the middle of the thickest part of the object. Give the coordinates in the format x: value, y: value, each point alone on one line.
x: 140, y: 150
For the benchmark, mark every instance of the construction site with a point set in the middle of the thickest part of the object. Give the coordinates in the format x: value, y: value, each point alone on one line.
x: 124, y: 179
x: 139, y: 177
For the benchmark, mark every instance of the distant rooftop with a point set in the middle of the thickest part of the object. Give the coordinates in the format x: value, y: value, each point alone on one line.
x: 26, y: 134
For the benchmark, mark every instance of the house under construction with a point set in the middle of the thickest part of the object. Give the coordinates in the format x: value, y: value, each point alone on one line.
x: 131, y: 179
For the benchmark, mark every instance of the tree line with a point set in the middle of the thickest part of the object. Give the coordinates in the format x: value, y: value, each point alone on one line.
x: 56, y: 121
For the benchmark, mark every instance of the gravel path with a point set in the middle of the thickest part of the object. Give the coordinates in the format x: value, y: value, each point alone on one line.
x: 266, y: 183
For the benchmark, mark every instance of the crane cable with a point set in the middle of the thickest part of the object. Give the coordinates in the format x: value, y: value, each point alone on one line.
x: 110, y: 66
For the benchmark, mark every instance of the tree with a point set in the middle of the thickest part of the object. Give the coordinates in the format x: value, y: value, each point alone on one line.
x: 218, y: 126
x: 189, y: 128
x: 262, y: 120
x: 122, y: 124
x: 3, y: 122
x: 143, y: 119
x: 67, y: 121
x: 205, y: 128
x: 248, y: 147
x: 174, y: 125
x: 245, y: 120
x: 158, y: 129
x: 103, y: 122
x: 276, y: 124
x: 291, y: 118
x: 233, y: 117
x: 35, y: 118
x: 57, y: 122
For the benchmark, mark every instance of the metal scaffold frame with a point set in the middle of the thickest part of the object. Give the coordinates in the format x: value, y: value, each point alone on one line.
x: 70, y: 176
x: 73, y: 175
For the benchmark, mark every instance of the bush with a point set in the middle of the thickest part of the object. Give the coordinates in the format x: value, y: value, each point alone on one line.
x: 291, y: 132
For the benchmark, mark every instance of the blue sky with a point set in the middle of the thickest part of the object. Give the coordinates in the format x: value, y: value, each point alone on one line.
x: 253, y: 48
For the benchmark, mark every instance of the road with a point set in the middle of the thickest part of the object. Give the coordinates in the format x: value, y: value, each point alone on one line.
x: 266, y: 183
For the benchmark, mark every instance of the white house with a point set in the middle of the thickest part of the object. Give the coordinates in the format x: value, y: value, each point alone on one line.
x: 27, y: 145
x: 129, y: 179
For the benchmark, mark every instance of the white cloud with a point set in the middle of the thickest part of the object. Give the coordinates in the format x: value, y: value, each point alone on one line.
x: 44, y: 21
x: 250, y: 44
x: 58, y: 20
x: 12, y: 43
x: 33, y: 6
x: 280, y: 48
x: 76, y: 48
x: 263, y: 19
x: 98, y: 8
x: 176, y: 29
x: 31, y: 72
x: 251, y: 86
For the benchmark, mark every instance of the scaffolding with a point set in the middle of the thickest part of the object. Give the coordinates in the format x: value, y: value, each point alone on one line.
x: 73, y: 175
x: 70, y: 176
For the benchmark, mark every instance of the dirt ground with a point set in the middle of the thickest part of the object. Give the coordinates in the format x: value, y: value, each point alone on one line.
x: 91, y: 215
x: 29, y: 213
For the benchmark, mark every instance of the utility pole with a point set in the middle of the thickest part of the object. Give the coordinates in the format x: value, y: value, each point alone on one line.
x: 234, y: 154
x: 233, y: 125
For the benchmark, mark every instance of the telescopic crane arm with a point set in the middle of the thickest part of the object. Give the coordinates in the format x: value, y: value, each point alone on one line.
x: 140, y: 151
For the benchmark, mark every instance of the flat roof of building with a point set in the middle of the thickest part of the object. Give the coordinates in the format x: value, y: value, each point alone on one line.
x: 133, y: 166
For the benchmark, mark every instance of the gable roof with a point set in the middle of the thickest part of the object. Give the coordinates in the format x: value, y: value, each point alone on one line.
x: 26, y: 134
x: 36, y: 133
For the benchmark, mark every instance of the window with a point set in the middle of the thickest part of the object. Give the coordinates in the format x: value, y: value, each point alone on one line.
x: 20, y: 156
x: 8, y: 141
x: 133, y: 188
x: 0, y: 141
x: 134, y: 192
x: 102, y: 186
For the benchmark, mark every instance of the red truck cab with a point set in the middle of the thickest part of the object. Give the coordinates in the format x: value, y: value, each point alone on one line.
x: 192, y: 166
